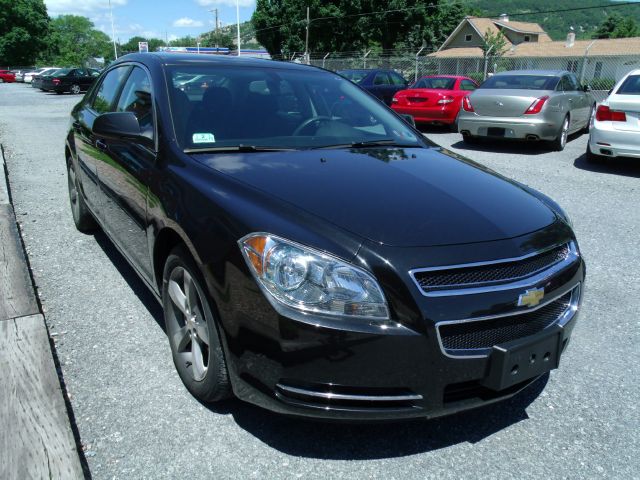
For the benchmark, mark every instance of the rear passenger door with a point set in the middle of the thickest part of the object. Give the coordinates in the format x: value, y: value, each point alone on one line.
x: 125, y: 176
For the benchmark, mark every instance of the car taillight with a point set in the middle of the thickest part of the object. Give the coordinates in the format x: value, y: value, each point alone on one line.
x: 445, y: 100
x: 56, y: 81
x: 537, y: 105
x: 466, y: 104
x: 605, y: 114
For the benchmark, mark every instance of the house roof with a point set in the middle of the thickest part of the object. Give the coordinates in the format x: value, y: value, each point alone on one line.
x: 601, y: 47
x: 521, y: 27
x: 480, y: 25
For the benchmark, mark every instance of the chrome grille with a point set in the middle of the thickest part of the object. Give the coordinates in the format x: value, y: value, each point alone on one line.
x: 484, y: 334
x: 488, y: 274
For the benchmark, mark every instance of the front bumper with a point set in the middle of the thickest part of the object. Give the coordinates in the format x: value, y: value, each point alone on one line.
x: 306, y: 369
x: 517, y: 128
x: 607, y: 141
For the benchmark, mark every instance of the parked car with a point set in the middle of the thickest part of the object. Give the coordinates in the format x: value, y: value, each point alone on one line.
x: 74, y: 80
x: 38, y: 79
x: 434, y: 99
x: 527, y: 105
x: 384, y: 84
x: 7, y: 76
x: 28, y: 76
x: 615, y: 127
x: 313, y: 253
x: 19, y: 75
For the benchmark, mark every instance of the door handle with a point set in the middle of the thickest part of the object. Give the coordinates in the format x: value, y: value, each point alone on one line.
x: 101, y: 144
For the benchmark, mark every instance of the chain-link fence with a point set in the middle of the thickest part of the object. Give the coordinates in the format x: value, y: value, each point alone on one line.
x: 599, y: 68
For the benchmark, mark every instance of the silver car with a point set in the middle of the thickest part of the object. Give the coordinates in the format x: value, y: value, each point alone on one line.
x: 527, y: 105
x: 615, y: 128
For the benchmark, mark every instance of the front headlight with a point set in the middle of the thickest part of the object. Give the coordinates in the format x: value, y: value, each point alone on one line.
x: 311, y: 281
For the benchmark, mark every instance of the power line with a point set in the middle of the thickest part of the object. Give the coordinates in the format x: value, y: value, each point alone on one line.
x: 364, y: 14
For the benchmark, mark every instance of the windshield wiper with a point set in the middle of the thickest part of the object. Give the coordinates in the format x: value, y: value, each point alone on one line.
x: 371, y: 143
x: 237, y: 148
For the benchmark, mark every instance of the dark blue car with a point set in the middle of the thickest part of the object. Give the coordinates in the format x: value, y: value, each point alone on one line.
x: 382, y: 83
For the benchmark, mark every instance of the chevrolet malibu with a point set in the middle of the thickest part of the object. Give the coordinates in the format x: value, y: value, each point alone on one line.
x: 312, y: 252
x: 530, y: 105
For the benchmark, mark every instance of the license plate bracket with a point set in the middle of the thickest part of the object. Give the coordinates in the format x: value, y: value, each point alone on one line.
x: 495, y: 132
x: 514, y: 362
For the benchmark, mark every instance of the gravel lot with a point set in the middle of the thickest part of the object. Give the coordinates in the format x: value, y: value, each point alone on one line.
x: 137, y: 421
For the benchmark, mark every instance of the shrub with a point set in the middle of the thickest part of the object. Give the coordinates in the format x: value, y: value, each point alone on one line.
x: 602, y: 83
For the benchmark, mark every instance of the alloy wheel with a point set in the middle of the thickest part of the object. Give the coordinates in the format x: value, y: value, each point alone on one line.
x: 565, y: 133
x: 75, y: 89
x: 189, y: 329
x: 73, y: 193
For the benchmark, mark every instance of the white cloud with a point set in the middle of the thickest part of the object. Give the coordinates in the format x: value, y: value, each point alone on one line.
x: 187, y: 22
x: 79, y: 7
x: 227, y: 3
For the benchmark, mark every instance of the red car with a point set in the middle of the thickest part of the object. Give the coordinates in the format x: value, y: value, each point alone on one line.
x: 7, y: 77
x: 434, y: 99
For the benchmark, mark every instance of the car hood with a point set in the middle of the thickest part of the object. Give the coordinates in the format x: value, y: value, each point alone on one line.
x: 404, y: 197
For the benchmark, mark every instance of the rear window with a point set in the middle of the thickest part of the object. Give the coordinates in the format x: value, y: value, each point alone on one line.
x: 354, y: 75
x: 631, y: 86
x: 61, y: 72
x: 436, y: 83
x: 521, y: 82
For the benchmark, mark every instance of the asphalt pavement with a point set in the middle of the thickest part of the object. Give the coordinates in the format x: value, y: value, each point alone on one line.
x: 136, y: 420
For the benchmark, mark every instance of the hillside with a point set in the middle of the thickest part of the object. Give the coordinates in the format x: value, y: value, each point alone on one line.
x: 557, y: 25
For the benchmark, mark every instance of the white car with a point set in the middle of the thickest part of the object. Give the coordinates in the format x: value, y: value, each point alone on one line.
x: 28, y: 76
x: 615, y: 127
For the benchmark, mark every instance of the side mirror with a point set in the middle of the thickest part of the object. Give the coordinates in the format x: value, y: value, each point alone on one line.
x: 586, y: 88
x: 119, y: 126
x: 408, y: 118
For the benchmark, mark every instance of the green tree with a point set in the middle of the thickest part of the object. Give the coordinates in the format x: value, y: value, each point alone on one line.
x: 24, y: 25
x: 72, y: 41
x: 187, y: 41
x: 495, y: 44
x: 220, y: 39
x: 616, y: 26
x: 132, y: 44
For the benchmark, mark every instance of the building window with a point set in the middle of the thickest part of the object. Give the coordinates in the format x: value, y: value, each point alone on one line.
x: 572, y: 66
x: 598, y: 71
x: 527, y: 38
x: 467, y: 38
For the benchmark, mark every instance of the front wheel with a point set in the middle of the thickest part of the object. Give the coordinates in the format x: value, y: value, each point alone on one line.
x: 561, y: 140
x: 192, y: 330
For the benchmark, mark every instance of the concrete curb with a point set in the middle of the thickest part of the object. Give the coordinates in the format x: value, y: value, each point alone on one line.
x: 37, y: 439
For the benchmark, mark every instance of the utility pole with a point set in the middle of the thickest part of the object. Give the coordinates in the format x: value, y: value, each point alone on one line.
x: 215, y: 12
x: 238, y: 23
x: 306, y: 42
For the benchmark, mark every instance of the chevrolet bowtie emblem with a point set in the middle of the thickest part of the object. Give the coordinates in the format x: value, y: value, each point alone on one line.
x: 531, y: 298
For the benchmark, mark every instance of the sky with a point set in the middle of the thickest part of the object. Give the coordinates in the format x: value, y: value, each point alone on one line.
x: 153, y: 18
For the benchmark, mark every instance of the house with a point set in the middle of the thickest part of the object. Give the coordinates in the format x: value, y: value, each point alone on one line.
x: 529, y: 47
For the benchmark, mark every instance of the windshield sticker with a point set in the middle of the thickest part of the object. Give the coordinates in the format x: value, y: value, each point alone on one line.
x: 203, y: 138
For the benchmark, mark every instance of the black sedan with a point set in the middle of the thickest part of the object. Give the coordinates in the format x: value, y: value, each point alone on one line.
x: 384, y: 84
x: 74, y: 80
x: 313, y: 253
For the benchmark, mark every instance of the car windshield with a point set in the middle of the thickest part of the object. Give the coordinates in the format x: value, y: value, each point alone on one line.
x: 521, y: 82
x: 631, y: 86
x: 60, y: 73
x: 356, y: 76
x: 436, y: 83
x: 271, y: 107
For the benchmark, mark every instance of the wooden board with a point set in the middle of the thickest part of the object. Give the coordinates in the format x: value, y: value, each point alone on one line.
x: 35, y: 439
x: 16, y: 291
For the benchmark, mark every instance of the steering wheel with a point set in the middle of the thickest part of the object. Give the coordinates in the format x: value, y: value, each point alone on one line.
x: 309, y: 121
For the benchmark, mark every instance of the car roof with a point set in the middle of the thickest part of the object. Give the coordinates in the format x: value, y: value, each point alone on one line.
x: 178, y: 59
x: 544, y: 73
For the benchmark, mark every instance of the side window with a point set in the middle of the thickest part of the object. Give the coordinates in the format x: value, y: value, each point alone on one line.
x: 397, y: 79
x: 467, y: 85
x: 136, y: 98
x: 381, y: 79
x: 108, y: 89
x: 420, y: 84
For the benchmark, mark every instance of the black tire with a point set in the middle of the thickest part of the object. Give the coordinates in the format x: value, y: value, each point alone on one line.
x: 588, y: 125
x: 201, y: 366
x: 470, y: 139
x: 82, y: 217
x: 58, y: 92
x: 561, y: 140
x: 592, y: 157
x: 75, y: 89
